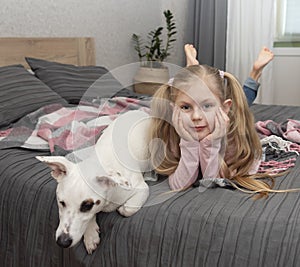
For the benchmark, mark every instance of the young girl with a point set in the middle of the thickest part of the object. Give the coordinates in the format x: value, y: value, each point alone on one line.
x: 202, y: 125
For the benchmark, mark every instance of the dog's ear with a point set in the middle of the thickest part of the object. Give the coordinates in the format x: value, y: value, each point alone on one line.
x: 60, y: 165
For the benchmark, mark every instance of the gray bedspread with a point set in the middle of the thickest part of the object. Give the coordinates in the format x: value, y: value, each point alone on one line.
x: 217, y: 227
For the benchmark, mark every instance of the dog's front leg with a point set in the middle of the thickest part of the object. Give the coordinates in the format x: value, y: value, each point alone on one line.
x: 133, y: 204
x: 91, y: 237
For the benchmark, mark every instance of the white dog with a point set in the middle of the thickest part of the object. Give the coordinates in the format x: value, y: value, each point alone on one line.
x: 109, y: 179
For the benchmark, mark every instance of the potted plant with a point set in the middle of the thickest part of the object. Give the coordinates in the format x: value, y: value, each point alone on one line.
x: 152, y: 72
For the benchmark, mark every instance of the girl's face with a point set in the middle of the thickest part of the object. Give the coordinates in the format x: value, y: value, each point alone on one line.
x: 198, y: 106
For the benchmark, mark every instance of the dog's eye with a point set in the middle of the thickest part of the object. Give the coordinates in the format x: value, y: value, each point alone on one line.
x: 86, y: 205
x: 62, y: 203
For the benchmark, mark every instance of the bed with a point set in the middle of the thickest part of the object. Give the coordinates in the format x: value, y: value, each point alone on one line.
x: 216, y: 227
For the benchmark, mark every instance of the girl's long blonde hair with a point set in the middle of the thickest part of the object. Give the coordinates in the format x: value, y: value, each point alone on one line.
x: 241, y: 133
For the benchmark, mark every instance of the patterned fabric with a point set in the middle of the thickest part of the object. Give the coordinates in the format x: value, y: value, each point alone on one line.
x: 289, y: 129
x: 280, y: 143
x: 63, y: 130
x: 278, y: 154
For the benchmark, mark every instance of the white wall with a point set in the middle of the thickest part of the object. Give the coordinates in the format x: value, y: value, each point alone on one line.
x: 111, y: 22
x: 286, y: 76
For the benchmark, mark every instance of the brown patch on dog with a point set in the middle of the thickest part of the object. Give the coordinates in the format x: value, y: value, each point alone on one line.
x: 86, y: 205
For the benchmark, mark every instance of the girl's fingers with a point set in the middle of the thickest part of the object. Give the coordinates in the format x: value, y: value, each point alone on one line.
x: 175, y: 116
x: 221, y: 120
x: 185, y: 131
x: 178, y: 120
x: 224, y: 115
x: 217, y: 122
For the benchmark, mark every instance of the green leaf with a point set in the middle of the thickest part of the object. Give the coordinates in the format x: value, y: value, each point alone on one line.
x: 154, y: 47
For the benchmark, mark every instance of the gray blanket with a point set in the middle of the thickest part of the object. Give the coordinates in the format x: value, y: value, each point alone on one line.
x: 217, y: 227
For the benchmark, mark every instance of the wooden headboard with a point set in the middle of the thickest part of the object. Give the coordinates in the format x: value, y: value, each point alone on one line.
x: 77, y: 51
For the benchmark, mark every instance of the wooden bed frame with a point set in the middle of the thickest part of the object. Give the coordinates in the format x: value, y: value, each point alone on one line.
x: 77, y: 51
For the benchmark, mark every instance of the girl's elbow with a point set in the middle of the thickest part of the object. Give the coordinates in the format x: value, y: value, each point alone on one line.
x: 173, y: 186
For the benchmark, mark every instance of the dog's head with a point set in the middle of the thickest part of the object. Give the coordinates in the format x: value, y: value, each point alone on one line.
x: 79, y: 197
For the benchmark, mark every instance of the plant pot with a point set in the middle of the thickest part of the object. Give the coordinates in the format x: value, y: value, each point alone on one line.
x: 147, y: 80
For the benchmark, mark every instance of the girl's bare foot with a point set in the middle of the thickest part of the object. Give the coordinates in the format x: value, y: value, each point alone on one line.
x: 264, y: 57
x: 191, y: 55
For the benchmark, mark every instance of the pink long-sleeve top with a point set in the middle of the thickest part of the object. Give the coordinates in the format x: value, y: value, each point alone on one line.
x: 196, y: 156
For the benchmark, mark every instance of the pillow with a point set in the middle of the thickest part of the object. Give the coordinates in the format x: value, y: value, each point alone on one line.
x: 129, y: 93
x: 22, y: 93
x: 75, y: 83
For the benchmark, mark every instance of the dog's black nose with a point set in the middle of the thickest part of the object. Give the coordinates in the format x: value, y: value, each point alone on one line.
x: 64, y: 240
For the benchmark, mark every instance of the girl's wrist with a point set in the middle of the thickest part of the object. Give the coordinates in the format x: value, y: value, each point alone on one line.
x: 189, y: 143
x: 206, y: 142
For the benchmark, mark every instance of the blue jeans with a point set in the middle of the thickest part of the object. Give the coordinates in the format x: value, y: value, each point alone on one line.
x: 250, y: 88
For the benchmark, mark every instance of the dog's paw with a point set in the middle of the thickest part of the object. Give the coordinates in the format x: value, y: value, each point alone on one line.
x: 128, y: 211
x: 91, y: 238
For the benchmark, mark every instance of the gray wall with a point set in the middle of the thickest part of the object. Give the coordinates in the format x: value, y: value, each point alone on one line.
x: 111, y: 22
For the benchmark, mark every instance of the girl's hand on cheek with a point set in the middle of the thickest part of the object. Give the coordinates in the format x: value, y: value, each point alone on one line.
x: 221, y: 124
x: 179, y: 120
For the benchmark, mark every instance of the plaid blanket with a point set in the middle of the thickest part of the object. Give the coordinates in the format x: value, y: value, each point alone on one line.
x: 62, y: 130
